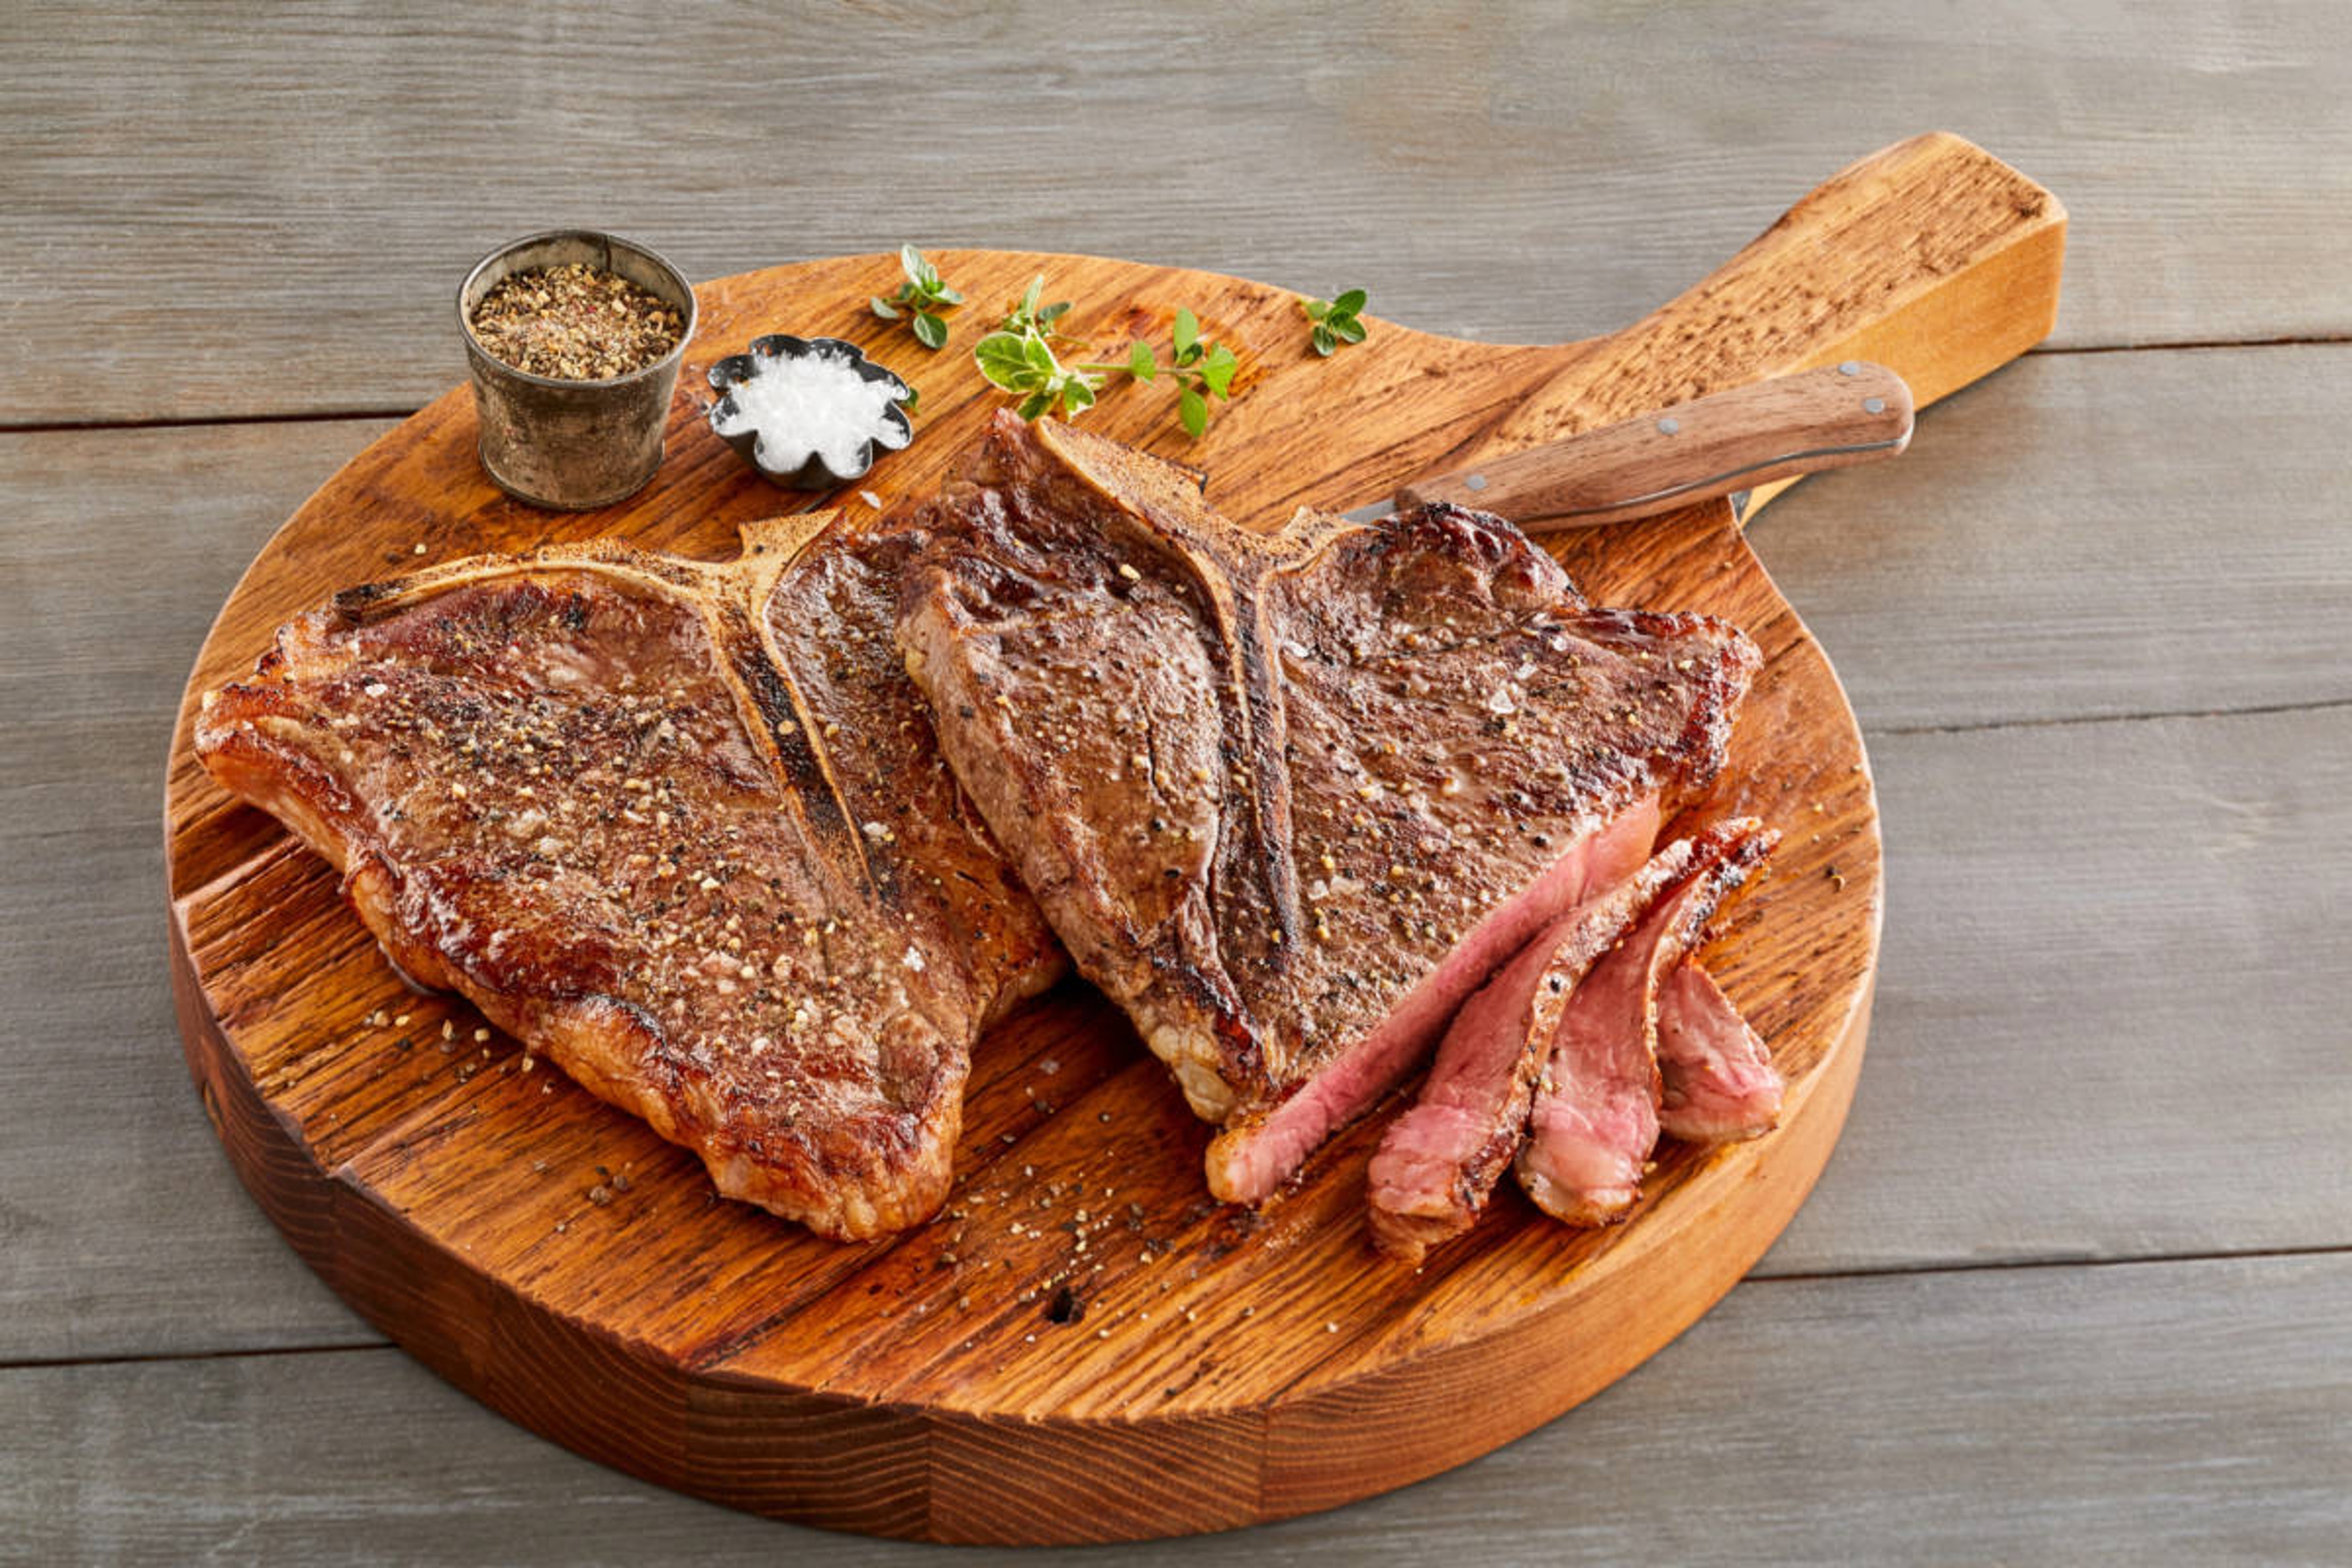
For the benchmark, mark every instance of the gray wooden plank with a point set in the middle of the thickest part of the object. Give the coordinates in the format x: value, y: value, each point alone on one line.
x: 2144, y: 1413
x: 2089, y: 534
x: 2192, y: 865
x: 269, y: 214
x: 121, y: 1228
x: 2110, y: 1009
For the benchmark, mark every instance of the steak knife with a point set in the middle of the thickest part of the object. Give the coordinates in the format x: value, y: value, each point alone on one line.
x: 1728, y: 444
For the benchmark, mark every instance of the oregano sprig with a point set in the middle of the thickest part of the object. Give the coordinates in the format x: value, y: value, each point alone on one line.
x: 922, y: 297
x: 1029, y: 313
x: 1024, y: 364
x: 1201, y: 370
x: 1335, y: 321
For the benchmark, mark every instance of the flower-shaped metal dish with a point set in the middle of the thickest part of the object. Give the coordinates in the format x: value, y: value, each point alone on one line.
x: 808, y: 413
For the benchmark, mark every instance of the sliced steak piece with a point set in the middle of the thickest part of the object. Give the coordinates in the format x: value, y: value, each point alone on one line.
x: 684, y: 828
x: 1720, y: 1085
x: 1595, y: 1117
x: 1288, y: 799
x: 1439, y: 1162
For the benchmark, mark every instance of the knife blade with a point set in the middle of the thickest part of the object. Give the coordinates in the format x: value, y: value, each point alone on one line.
x: 1727, y: 444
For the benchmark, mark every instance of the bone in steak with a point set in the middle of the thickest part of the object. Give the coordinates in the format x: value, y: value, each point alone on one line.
x: 1290, y: 798
x: 1595, y: 1117
x: 682, y: 827
x: 1439, y: 1162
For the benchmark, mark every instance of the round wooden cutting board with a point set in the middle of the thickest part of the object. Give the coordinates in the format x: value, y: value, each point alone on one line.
x: 1082, y: 1346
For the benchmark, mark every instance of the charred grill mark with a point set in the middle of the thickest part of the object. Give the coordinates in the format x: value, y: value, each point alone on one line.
x: 353, y: 603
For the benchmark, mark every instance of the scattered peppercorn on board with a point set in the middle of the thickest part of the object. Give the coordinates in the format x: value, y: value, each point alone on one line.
x: 1082, y: 1346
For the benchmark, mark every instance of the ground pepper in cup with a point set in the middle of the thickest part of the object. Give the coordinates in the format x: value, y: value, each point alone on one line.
x: 574, y: 323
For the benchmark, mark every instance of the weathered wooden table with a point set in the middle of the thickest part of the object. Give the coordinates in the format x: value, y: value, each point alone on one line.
x: 2078, y: 1284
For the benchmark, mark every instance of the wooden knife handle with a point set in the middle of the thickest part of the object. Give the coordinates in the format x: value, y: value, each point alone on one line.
x: 1853, y: 412
x: 1932, y: 257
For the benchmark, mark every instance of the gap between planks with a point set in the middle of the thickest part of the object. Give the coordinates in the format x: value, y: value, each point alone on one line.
x: 2069, y: 720
x: 337, y: 415
x: 2007, y: 1266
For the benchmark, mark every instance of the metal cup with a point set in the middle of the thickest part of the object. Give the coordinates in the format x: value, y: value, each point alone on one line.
x: 573, y: 445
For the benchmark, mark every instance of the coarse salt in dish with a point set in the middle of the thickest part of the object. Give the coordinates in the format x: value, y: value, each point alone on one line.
x: 808, y: 412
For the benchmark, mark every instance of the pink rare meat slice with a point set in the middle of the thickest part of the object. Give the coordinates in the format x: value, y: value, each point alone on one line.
x: 1595, y: 1117
x: 1439, y: 1162
x: 1720, y: 1083
x: 1290, y: 798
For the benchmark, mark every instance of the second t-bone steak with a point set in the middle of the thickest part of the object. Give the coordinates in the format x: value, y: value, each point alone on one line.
x: 1290, y: 798
x: 682, y: 827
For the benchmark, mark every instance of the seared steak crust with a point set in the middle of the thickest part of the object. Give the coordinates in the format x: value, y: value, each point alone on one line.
x: 1290, y: 798
x: 684, y: 828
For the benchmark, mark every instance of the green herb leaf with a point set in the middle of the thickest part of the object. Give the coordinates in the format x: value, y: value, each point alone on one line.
x: 1054, y: 313
x: 1003, y: 359
x: 1333, y: 322
x: 1193, y: 410
x: 1024, y: 362
x: 919, y: 301
x: 1027, y: 309
x: 1217, y: 370
x: 1187, y: 333
x: 1141, y: 364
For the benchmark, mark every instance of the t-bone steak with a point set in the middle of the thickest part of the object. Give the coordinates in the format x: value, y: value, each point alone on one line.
x: 682, y: 827
x: 1290, y: 798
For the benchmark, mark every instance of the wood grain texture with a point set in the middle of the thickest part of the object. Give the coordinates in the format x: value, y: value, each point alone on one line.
x: 177, y: 1261
x: 1803, y: 423
x: 2124, y: 1415
x: 2091, y: 537
x: 119, y: 1234
x: 270, y: 216
x: 2112, y: 944
x: 940, y: 1384
x: 1436, y: 156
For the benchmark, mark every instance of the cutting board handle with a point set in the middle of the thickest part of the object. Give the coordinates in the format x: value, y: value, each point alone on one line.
x: 1932, y: 257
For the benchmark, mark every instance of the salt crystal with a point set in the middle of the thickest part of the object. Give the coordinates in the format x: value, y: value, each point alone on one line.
x: 814, y: 404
